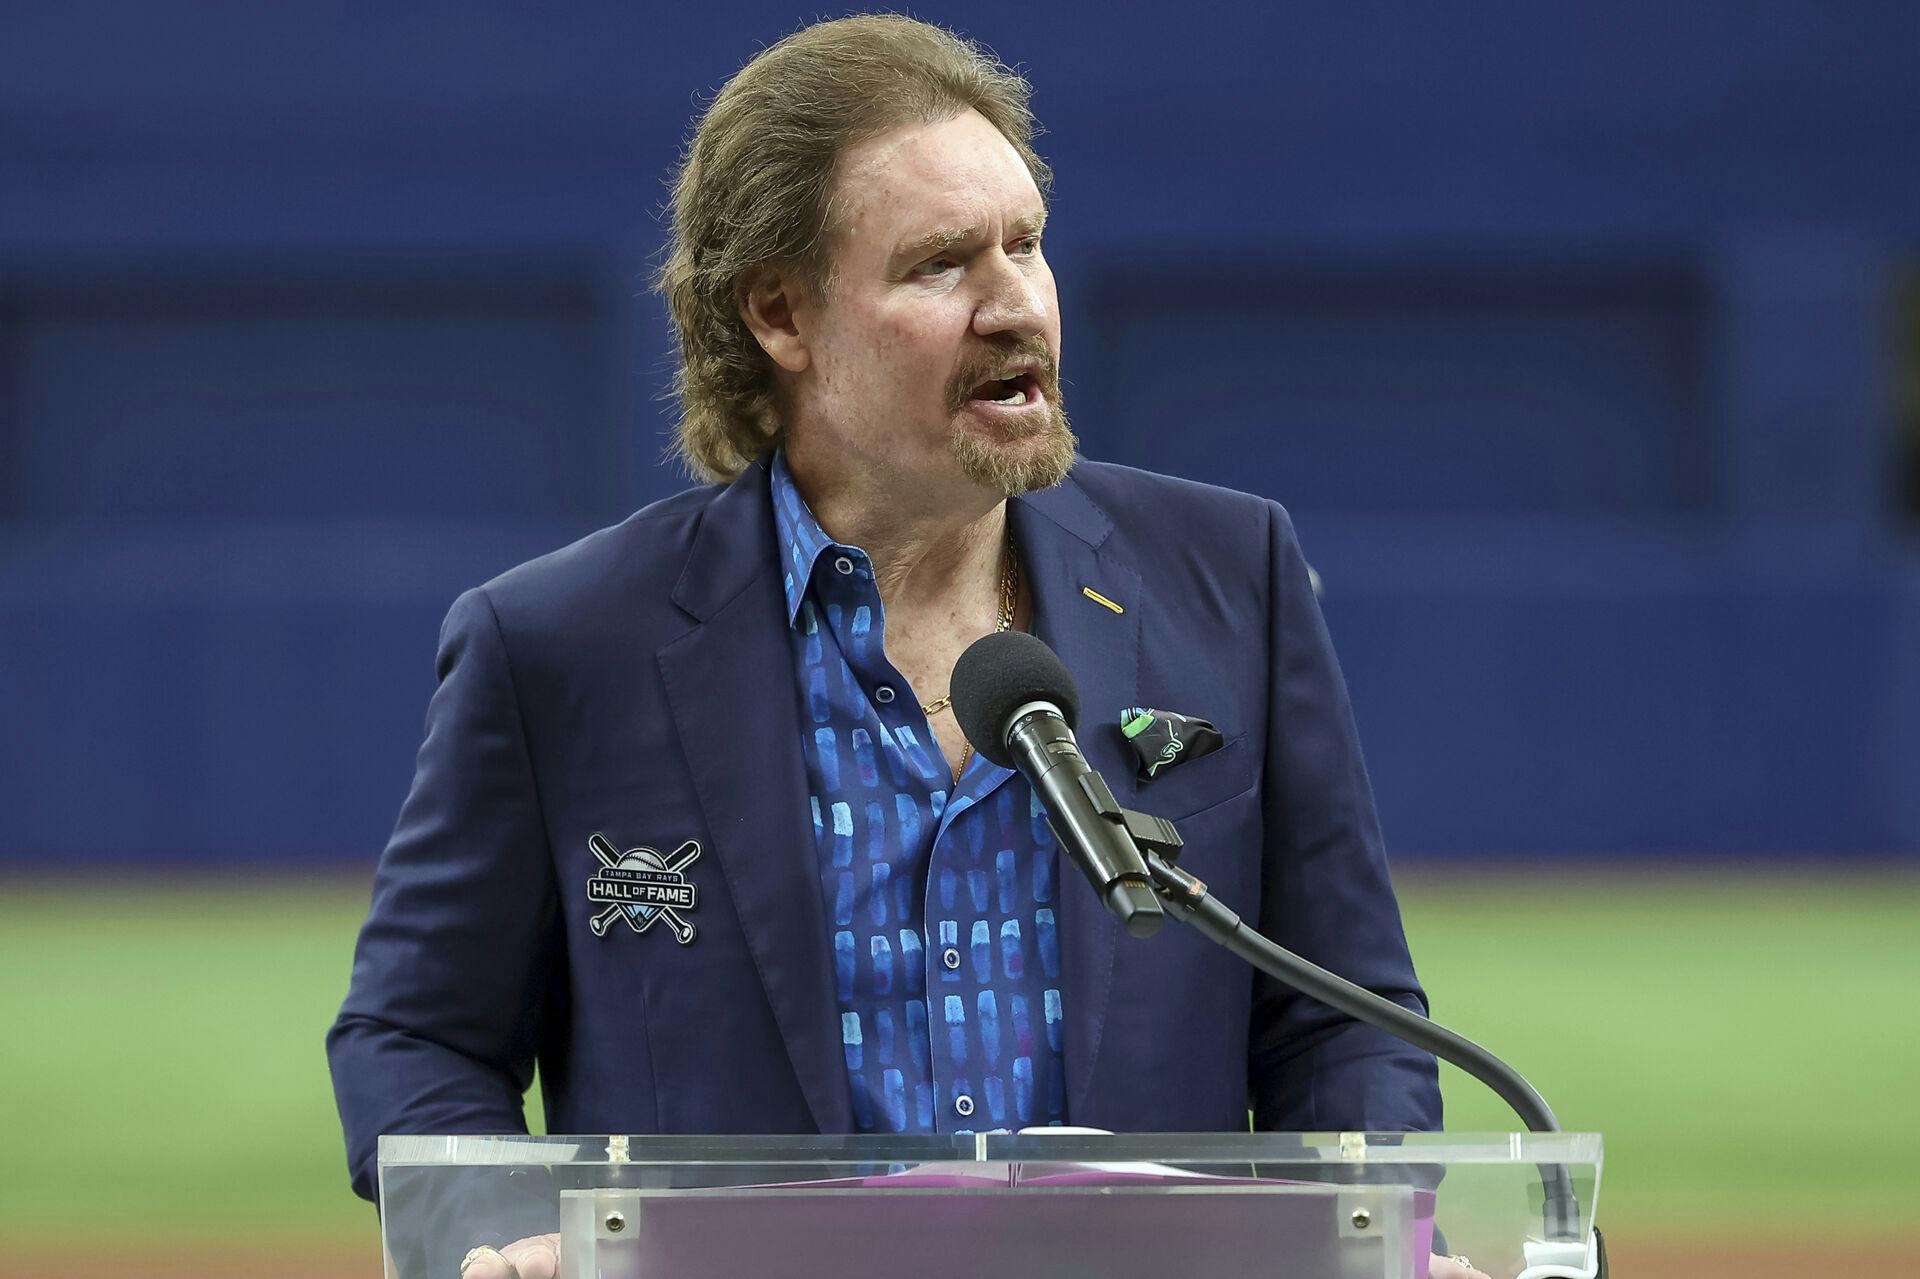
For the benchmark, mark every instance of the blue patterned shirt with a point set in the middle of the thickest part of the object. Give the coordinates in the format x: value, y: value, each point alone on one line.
x: 941, y: 907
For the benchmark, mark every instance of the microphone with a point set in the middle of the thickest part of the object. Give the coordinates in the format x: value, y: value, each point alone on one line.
x: 1018, y: 705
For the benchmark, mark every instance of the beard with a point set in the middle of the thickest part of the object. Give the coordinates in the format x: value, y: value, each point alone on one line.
x: 1011, y: 460
x: 1038, y: 459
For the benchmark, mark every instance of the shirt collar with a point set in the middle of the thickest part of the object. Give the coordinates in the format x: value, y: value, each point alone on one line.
x: 802, y: 540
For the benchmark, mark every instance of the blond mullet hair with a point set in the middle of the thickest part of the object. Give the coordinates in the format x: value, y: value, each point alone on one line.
x: 754, y: 190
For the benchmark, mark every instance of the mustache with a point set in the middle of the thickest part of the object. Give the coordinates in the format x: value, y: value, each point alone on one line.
x: 993, y: 365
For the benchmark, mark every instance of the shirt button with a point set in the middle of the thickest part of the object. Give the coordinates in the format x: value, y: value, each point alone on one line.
x: 842, y: 565
x: 963, y: 1105
x: 883, y: 694
x: 950, y: 957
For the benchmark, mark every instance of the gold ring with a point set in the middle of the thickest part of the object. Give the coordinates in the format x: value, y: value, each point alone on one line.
x: 483, y: 1253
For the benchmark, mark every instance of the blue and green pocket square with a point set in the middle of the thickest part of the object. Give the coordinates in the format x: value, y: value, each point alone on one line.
x: 1163, y: 739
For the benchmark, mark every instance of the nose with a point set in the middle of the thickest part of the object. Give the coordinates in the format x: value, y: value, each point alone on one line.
x: 1016, y: 300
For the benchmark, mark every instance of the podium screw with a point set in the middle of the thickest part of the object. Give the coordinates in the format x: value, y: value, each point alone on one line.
x: 616, y: 1222
x: 1362, y: 1219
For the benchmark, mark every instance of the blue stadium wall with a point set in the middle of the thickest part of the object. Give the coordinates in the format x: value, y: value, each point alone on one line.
x: 1579, y: 340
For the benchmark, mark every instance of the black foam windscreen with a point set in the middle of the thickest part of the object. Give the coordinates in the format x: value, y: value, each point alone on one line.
x: 997, y: 675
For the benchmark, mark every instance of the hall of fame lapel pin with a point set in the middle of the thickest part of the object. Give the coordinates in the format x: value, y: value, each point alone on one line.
x: 642, y: 885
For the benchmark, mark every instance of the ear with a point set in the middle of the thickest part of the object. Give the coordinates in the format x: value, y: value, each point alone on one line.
x: 767, y: 303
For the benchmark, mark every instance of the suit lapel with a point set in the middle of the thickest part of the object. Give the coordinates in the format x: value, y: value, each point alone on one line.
x: 730, y: 684
x: 1062, y: 538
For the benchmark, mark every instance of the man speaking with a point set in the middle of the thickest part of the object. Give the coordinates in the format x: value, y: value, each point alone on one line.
x: 694, y: 829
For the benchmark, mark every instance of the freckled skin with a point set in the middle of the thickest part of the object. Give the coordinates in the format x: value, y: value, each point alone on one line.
x: 886, y: 345
x: 868, y: 375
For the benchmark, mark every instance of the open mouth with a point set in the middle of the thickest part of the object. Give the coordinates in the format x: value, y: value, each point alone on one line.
x: 1021, y: 388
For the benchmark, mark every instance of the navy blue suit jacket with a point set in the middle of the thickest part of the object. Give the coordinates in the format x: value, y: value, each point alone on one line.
x: 640, y: 683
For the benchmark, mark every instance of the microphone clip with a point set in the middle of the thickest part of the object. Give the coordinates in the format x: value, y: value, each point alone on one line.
x: 1134, y: 899
x: 1151, y: 834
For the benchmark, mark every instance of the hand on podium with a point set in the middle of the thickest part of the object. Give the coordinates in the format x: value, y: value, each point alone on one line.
x: 535, y: 1257
x: 1452, y: 1268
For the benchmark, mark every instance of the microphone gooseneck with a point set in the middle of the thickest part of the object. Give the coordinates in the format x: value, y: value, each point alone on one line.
x: 1017, y: 704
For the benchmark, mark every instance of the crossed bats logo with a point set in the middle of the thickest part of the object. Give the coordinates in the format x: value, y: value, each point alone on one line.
x: 642, y: 886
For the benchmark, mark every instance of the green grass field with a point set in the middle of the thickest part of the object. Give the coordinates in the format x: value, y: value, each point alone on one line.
x: 1750, y: 1047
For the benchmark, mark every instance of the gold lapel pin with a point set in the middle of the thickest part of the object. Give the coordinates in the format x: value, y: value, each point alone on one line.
x: 1100, y: 599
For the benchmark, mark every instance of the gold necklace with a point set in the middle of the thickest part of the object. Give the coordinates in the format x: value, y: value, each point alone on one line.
x: 1009, y: 594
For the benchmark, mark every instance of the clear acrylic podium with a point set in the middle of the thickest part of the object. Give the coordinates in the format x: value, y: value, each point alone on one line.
x: 1168, y: 1206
